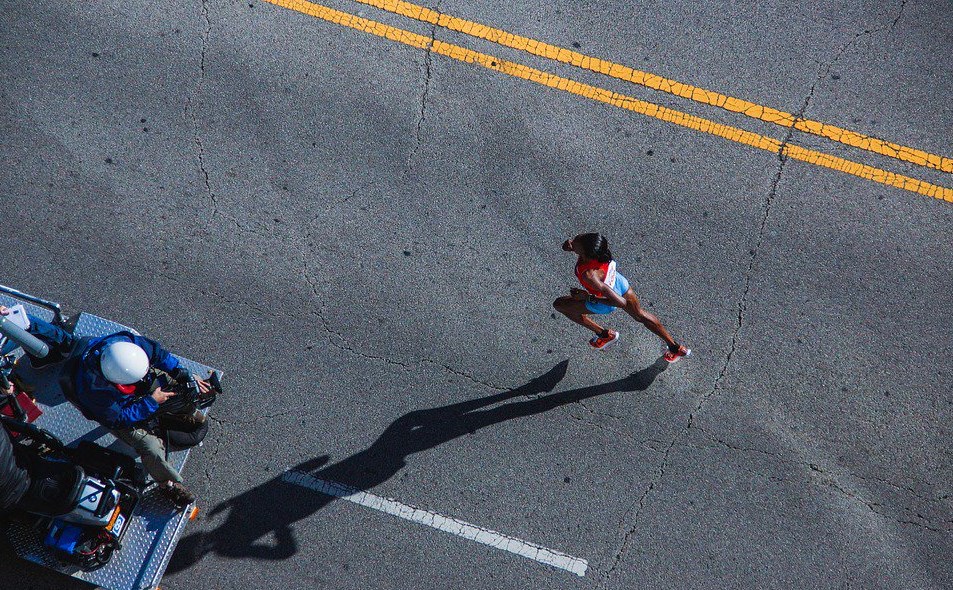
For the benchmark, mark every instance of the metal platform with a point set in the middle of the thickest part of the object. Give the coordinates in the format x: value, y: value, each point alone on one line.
x: 156, y: 526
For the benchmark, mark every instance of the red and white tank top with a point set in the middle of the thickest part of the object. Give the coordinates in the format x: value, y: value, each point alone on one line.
x: 606, y: 267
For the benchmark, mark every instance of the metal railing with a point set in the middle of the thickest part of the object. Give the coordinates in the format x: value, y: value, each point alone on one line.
x: 58, y: 318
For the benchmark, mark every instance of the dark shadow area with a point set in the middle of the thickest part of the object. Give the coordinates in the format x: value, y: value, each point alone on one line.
x: 273, y: 507
x: 42, y: 383
x: 24, y: 575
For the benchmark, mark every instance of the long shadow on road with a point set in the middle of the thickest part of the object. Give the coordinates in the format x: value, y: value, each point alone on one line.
x: 259, y: 521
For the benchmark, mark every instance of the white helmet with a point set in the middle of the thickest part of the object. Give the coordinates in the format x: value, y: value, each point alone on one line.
x: 124, y: 363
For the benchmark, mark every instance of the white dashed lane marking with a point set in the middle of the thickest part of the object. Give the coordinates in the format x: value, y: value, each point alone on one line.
x: 443, y: 523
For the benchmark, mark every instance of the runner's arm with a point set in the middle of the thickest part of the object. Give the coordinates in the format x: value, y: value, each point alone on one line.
x: 609, y: 297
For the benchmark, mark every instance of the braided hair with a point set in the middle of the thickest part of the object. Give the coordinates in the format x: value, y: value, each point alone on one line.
x: 596, y: 246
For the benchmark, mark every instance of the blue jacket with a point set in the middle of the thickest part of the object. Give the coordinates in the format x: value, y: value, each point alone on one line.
x: 100, y: 400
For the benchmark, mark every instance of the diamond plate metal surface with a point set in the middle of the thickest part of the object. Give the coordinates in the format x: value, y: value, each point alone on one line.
x: 155, y: 527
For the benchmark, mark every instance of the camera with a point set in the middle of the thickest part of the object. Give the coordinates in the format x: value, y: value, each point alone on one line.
x: 187, y: 389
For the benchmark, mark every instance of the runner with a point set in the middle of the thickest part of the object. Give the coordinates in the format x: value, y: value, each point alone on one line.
x: 605, y: 290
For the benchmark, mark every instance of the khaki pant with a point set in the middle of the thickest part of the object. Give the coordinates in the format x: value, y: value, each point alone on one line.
x: 152, y: 452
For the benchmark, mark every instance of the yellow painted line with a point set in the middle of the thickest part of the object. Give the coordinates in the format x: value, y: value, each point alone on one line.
x: 700, y: 95
x: 614, y: 98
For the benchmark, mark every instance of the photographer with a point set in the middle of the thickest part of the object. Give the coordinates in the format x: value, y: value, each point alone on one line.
x: 124, y: 381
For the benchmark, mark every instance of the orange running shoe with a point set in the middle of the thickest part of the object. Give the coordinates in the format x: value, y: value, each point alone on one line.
x: 600, y: 342
x: 674, y: 356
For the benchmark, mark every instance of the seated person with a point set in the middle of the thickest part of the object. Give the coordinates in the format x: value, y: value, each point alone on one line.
x: 115, y: 384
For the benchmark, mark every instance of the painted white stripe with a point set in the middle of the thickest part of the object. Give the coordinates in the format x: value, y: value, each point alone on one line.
x: 442, y: 523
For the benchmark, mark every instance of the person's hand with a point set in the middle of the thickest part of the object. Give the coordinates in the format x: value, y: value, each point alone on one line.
x: 9, y: 389
x: 579, y: 294
x: 204, y: 386
x: 4, y: 310
x: 161, y: 395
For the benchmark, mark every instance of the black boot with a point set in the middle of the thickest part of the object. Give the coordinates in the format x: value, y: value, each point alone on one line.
x: 178, y: 493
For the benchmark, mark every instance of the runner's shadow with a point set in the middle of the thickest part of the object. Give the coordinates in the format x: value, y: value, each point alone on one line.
x: 259, y: 521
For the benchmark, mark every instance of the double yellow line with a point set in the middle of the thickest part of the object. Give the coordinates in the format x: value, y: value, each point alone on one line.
x: 614, y: 70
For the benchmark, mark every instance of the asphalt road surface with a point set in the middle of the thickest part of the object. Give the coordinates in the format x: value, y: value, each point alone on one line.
x: 364, y: 235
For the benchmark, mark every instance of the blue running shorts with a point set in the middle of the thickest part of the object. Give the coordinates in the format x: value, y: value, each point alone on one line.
x: 621, y: 286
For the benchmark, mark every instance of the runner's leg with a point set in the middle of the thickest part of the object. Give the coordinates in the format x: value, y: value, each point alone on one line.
x: 578, y: 312
x: 647, y: 319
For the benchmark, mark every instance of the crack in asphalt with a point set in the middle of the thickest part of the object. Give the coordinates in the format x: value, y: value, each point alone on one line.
x: 824, y: 71
x: 743, y: 301
x: 829, y: 479
x: 210, y: 292
x: 339, y: 341
x: 216, y: 448
x: 660, y: 473
x: 425, y: 90
x: 742, y: 308
x: 191, y: 101
x: 893, y: 25
x: 900, y: 488
x: 197, y: 136
x: 611, y: 432
x: 334, y: 204
x: 347, y: 198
